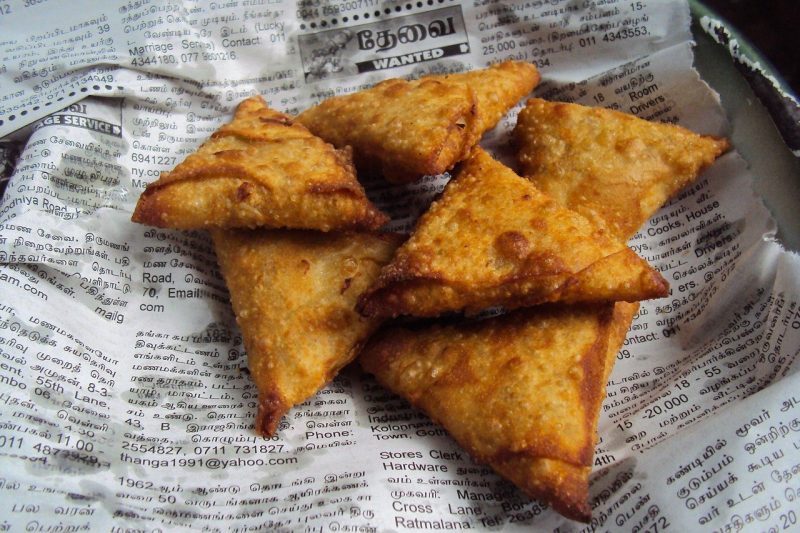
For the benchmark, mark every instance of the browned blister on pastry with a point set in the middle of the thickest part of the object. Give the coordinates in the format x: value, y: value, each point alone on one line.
x: 293, y: 294
x: 493, y: 239
x: 261, y: 169
x: 613, y: 168
x: 521, y: 392
x: 406, y: 129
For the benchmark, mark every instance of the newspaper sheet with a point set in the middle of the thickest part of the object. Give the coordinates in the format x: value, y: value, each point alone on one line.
x: 124, y: 404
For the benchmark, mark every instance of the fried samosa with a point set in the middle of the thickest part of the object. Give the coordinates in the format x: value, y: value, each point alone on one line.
x: 406, y: 129
x: 521, y: 392
x: 261, y: 169
x: 493, y: 239
x: 613, y: 168
x: 293, y: 293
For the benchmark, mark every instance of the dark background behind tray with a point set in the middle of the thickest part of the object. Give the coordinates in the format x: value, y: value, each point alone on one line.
x: 772, y: 26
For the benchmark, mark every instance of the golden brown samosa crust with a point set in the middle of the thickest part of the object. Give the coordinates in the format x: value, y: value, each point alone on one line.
x: 400, y: 129
x: 493, y: 239
x: 407, y: 129
x: 623, y: 315
x: 540, y: 477
x: 261, y: 169
x: 613, y: 168
x: 564, y: 486
x: 521, y: 392
x: 293, y: 294
x: 498, y: 88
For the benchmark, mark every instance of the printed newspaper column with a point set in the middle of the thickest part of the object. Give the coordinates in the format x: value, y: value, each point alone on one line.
x: 26, y: 504
x: 71, y: 377
x: 67, y: 172
x: 327, y: 416
x: 618, y: 495
x: 86, y: 40
x: 322, y: 431
x: 206, y: 48
x: 49, y: 60
x: 732, y: 472
x: 70, y: 165
x: 67, y: 425
x: 220, y: 438
x: 742, y: 472
x: 559, y: 39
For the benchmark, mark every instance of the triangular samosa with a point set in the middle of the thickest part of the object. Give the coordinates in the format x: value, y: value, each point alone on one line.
x: 615, y: 169
x: 521, y: 392
x: 406, y: 129
x: 493, y: 239
x: 261, y: 169
x: 294, y: 293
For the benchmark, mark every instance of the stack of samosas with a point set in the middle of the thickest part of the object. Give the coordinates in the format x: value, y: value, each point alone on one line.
x: 294, y: 232
x: 295, y: 239
x: 522, y: 391
x: 311, y: 280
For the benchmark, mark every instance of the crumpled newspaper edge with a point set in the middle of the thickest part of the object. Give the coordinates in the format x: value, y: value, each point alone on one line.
x: 781, y: 104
